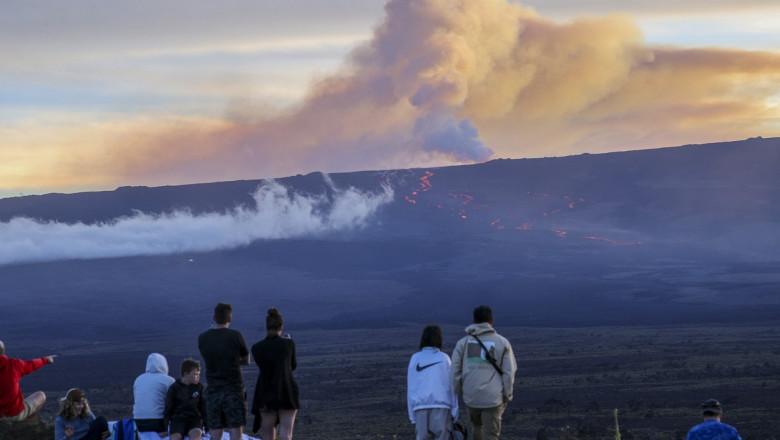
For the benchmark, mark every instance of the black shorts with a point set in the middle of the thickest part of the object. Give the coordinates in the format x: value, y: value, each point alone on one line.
x: 184, y: 427
x: 147, y: 425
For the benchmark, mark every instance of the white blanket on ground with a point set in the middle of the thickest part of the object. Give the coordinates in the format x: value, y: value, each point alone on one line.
x: 155, y: 436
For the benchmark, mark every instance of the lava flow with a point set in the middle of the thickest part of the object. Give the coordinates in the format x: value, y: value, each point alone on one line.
x: 425, y: 185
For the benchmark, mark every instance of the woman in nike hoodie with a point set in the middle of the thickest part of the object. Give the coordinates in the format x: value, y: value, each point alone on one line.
x: 431, y: 402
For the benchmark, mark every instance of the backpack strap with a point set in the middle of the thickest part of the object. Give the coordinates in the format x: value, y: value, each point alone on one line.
x: 488, y: 356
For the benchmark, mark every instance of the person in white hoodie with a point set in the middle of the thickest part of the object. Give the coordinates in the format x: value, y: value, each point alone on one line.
x: 431, y: 401
x: 149, y: 392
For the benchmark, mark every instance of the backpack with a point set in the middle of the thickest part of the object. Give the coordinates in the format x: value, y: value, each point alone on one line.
x: 124, y: 430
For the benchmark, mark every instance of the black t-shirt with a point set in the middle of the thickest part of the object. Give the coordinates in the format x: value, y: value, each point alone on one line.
x: 221, y: 349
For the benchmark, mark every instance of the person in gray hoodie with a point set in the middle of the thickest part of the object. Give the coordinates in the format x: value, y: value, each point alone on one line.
x: 483, y: 372
x: 149, y: 392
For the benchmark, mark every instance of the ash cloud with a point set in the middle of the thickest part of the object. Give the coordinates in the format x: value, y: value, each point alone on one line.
x: 278, y: 213
x: 460, y: 81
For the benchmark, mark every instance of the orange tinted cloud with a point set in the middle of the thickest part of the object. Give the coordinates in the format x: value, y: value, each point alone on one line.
x: 457, y: 81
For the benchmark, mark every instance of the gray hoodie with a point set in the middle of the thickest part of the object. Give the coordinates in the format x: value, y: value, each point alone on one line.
x: 474, y: 377
x: 150, y: 388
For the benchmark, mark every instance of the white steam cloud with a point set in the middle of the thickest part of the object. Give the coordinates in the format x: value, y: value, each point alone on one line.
x: 279, y: 213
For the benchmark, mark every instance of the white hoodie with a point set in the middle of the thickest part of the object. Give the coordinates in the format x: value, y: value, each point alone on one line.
x: 428, y: 382
x: 150, y: 388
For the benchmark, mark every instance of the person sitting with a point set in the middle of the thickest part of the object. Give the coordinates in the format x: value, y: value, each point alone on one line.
x: 149, y: 392
x: 13, y: 406
x: 185, y: 404
x: 75, y: 421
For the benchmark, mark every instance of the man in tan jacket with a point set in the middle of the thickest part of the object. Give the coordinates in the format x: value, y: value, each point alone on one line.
x: 483, y: 372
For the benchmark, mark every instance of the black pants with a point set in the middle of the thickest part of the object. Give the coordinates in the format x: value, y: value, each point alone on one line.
x: 96, y: 429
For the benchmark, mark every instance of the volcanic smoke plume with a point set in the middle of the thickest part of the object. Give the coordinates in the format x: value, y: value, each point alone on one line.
x: 456, y: 81
x: 278, y: 213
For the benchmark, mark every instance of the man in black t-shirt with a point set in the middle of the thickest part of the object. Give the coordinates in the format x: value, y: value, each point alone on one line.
x: 224, y: 351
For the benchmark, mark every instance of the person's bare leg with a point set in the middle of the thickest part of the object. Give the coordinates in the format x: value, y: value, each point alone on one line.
x: 216, y: 434
x: 286, y: 423
x: 176, y: 436
x: 235, y: 433
x: 268, y: 426
x: 195, y: 434
x: 38, y: 398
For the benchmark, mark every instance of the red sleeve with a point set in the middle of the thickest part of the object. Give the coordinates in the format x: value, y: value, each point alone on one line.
x: 27, y: 367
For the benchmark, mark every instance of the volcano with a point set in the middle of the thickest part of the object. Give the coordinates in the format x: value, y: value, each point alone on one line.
x: 653, y: 236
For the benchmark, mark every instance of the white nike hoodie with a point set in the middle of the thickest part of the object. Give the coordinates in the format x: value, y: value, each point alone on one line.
x: 428, y: 382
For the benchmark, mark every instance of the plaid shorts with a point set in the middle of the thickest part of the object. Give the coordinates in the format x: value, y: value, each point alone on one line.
x: 225, y: 408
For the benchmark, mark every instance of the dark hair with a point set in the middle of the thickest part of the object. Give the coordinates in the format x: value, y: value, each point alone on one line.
x: 483, y: 314
x: 188, y: 365
x: 222, y: 313
x: 274, y: 321
x: 431, y: 337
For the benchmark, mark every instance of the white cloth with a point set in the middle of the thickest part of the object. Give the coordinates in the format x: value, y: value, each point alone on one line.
x: 155, y: 436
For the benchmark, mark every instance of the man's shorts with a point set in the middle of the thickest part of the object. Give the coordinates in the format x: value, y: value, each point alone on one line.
x: 29, y: 409
x: 225, y: 408
x: 184, y: 427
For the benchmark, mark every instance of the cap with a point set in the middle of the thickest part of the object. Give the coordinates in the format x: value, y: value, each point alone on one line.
x: 711, y: 407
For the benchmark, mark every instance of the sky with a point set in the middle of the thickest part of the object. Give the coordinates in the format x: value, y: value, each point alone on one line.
x: 96, y: 95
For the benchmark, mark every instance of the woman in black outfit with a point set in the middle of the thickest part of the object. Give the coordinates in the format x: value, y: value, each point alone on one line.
x: 276, y: 393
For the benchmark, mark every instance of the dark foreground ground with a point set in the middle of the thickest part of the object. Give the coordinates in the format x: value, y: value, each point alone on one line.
x: 569, y: 381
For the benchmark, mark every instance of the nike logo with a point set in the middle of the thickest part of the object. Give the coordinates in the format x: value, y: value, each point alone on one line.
x: 419, y: 368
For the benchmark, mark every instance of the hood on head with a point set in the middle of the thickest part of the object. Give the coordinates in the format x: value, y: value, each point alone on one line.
x: 156, y: 363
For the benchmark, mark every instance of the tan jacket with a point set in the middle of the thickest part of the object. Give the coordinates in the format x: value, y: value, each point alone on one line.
x: 474, y: 377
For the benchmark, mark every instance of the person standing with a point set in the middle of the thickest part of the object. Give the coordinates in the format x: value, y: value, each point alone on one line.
x: 276, y: 396
x: 431, y: 401
x: 483, y: 372
x: 712, y: 428
x: 149, y: 390
x: 13, y: 406
x: 224, y: 351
